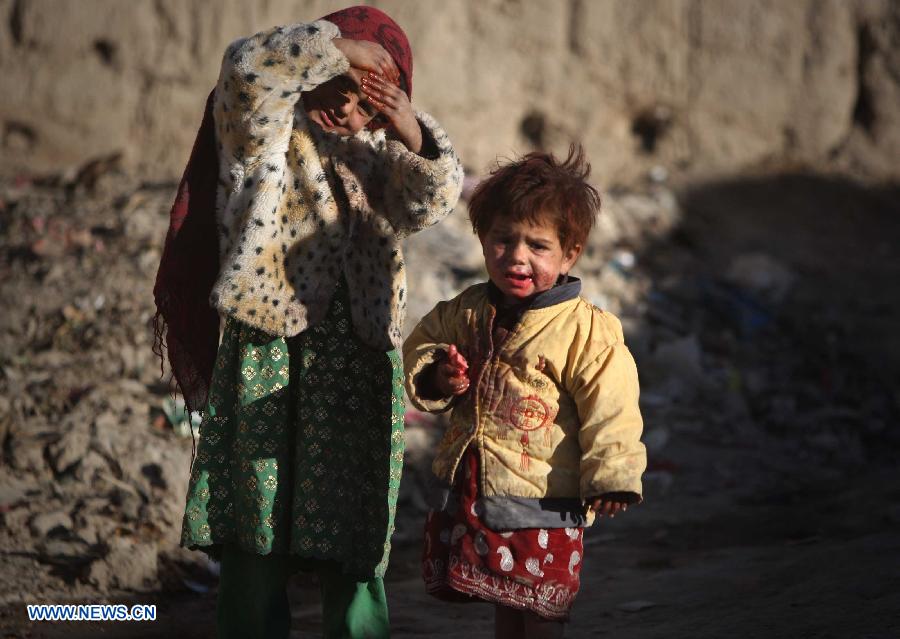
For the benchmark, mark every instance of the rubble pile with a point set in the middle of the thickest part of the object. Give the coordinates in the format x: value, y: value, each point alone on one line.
x: 95, y: 450
x: 92, y: 475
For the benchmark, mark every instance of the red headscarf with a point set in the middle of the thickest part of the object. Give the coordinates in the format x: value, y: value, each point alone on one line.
x: 185, y: 324
x: 369, y: 23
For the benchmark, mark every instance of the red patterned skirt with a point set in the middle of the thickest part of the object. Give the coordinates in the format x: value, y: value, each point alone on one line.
x: 533, y: 569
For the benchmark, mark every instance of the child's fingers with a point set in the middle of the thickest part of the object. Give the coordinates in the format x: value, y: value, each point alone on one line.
x: 376, y: 99
x: 385, y: 103
x: 382, y: 82
x: 454, y: 385
x: 389, y: 67
x: 460, y: 362
x: 378, y: 104
x: 449, y: 370
x: 456, y: 358
x: 605, y: 508
x: 382, y: 60
x: 389, y: 93
x: 452, y: 374
x: 452, y: 377
x: 460, y: 387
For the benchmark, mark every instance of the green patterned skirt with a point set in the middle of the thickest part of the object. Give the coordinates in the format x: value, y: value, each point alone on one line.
x: 301, y: 448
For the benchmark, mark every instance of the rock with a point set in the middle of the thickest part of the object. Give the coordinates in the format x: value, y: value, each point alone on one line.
x: 129, y: 503
x: 66, y: 551
x: 106, y: 433
x: 5, y: 418
x: 14, y: 519
x: 43, y: 524
x: 90, y: 465
x: 69, y: 449
x: 26, y: 453
x: 95, y: 524
x: 12, y: 490
x: 154, y: 476
x: 129, y: 565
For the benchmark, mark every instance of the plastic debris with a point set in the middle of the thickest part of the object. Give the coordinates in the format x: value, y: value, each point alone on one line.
x: 761, y: 274
x: 183, y: 424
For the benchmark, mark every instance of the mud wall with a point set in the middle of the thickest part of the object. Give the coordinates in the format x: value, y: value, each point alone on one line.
x: 681, y: 84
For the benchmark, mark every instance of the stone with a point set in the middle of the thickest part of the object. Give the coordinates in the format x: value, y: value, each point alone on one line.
x: 26, y: 453
x: 90, y: 465
x: 43, y: 524
x: 129, y: 565
x: 68, y: 450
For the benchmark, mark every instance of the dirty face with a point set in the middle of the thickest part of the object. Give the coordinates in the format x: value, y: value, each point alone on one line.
x: 524, y: 258
x: 339, y: 106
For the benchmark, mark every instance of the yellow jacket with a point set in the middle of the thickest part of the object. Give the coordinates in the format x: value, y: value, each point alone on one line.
x: 553, y: 412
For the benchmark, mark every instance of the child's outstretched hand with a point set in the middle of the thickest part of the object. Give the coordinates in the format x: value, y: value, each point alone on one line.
x: 451, y: 375
x: 393, y: 102
x: 609, y: 504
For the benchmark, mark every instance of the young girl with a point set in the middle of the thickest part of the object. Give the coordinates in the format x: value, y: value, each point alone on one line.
x: 545, y: 424
x: 309, y: 169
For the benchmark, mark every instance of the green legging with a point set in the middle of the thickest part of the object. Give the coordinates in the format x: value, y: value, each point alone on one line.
x: 253, y: 602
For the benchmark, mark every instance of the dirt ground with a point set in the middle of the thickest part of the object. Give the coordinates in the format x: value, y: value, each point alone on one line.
x: 764, y: 324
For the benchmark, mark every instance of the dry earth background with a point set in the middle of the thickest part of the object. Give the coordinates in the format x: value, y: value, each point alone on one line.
x: 748, y: 156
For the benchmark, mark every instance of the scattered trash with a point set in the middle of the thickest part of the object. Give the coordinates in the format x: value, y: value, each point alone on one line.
x: 679, y: 362
x: 762, y: 275
x: 183, y: 424
x: 659, y: 173
x: 623, y: 261
x: 655, y: 439
x: 736, y: 307
x: 196, y: 586
x: 213, y: 566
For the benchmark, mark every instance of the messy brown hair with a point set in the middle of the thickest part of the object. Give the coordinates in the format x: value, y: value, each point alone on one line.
x: 538, y: 187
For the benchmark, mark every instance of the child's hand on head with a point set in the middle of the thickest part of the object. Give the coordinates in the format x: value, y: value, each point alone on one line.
x: 368, y: 56
x: 393, y: 102
x: 451, y: 375
x: 609, y: 503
